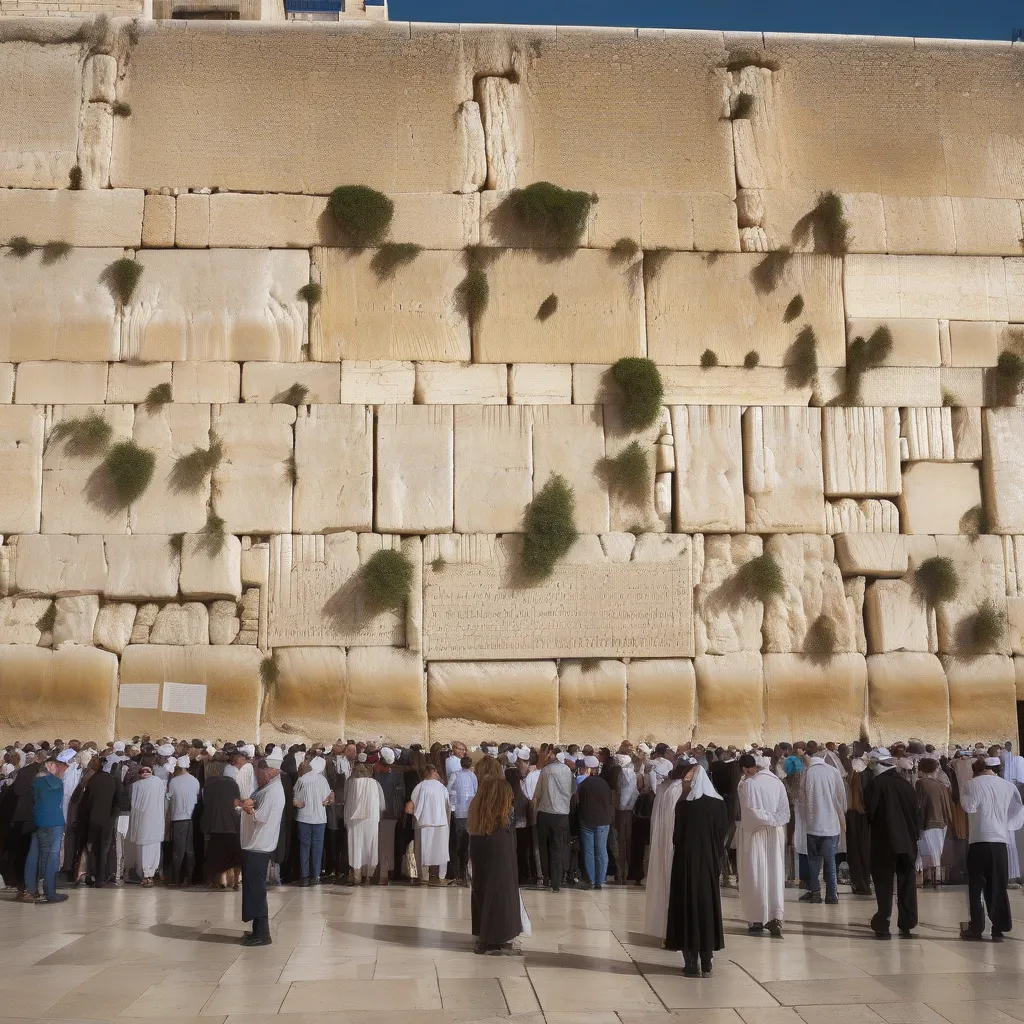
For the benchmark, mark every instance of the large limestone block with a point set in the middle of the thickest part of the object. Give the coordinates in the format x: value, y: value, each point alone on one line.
x: 386, y: 695
x: 75, y: 619
x: 982, y: 699
x: 591, y: 702
x: 871, y: 515
x: 725, y: 622
x: 896, y: 619
x: 939, y: 287
x: 696, y: 303
x: 813, y: 587
x: 786, y: 209
x: 141, y: 567
x: 225, y: 623
x: 113, y: 629
x: 907, y: 696
x: 270, y: 382
x: 936, y: 495
x: 98, y: 217
x: 75, y: 495
x: 158, y: 221
x: 501, y: 112
x: 730, y: 698
x: 315, y: 598
x: 253, y: 481
x: 1018, y: 665
x: 661, y: 700
x: 966, y: 386
x: 1003, y: 469
x: 540, y: 384
x: 95, y: 138
x: 986, y: 226
x: 782, y: 470
x: 169, y: 505
x: 21, y: 468
x: 192, y: 221
x: 7, y: 382
x: 929, y: 434
x: 894, y: 386
x: 333, y: 468
x: 807, y: 698
x: 131, y: 384
x: 709, y: 468
x: 599, y: 317
x: 861, y: 451
x: 975, y: 343
x: 914, y: 342
x: 377, y: 382
x: 62, y: 310
x: 69, y: 693
x: 637, y: 513
x: 307, y: 703
x: 493, y: 698
x: 55, y: 564
x: 22, y: 620
x: 1014, y: 290
x: 919, y: 225
x: 208, y: 573
x: 214, y: 382
x: 981, y: 570
x: 231, y: 676
x: 854, y: 587
x: 493, y: 467
x: 410, y: 314
x: 871, y: 554
x: 56, y: 383
x: 232, y: 304
x: 415, y: 469
x: 454, y: 384
x: 570, y: 441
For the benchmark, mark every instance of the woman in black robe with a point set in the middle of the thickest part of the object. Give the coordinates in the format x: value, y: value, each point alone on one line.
x: 494, y: 901
x: 695, y: 902
x: 219, y: 822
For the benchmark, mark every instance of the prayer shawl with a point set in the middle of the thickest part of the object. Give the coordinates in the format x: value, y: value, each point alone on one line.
x: 659, y: 866
x: 72, y: 777
x: 431, y: 809
x: 364, y: 803
x: 764, y: 814
x: 246, y: 781
x: 147, y: 820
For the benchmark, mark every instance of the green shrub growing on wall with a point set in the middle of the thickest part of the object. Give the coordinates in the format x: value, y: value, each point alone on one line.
x: 20, y: 247
x: 295, y: 394
x: 48, y: 619
x: 121, y: 109
x: 769, y: 270
x: 311, y: 293
x: 392, y: 255
x: 270, y: 672
x: 54, y: 252
x: 363, y: 214
x: 473, y: 294
x: 387, y: 578
x: 624, y: 250
x: 130, y: 469
x: 983, y: 630
x: 86, y: 436
x: 640, y: 383
x: 654, y: 260
x: 291, y: 470
x: 760, y: 579
x: 214, y: 534
x: 549, y: 528
x: 190, y: 471
x: 936, y: 580
x: 75, y: 178
x: 547, y: 308
x: 862, y: 356
x: 948, y: 398
x: 121, y: 278
x: 827, y: 225
x: 974, y: 522
x: 751, y: 360
x: 157, y: 397
x: 743, y: 107
x: 802, y: 359
x: 821, y: 641
x: 1008, y: 378
x: 548, y: 214
x: 708, y: 359
x: 794, y: 308
x: 629, y: 473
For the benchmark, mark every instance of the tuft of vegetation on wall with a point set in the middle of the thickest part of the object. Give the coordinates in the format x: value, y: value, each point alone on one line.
x: 936, y: 580
x: 214, y: 534
x: 20, y: 247
x: 948, y: 398
x: 1007, y: 378
x: 311, y: 293
x: 751, y: 360
x: 549, y: 215
x: 295, y: 394
x: 862, y: 356
x: 743, y: 107
x: 983, y: 631
x: 130, y: 469
x: 760, y: 579
x: 157, y: 397
x: 625, y: 250
x: 802, y: 359
x: 549, y: 528
x: 629, y: 473
x: 85, y: 436
x: 547, y: 308
x: 54, y: 252
x: 363, y: 214
x: 826, y: 225
x: 390, y: 256
x: 387, y: 578
x: 769, y: 270
x: 654, y: 260
x: 821, y: 641
x: 48, y: 619
x: 190, y: 471
x: 975, y: 522
x: 794, y: 308
x: 640, y: 383
x: 439, y: 563
x: 270, y: 672
x: 708, y: 358
x: 291, y: 470
x: 75, y: 178
x: 120, y: 109
x: 121, y: 277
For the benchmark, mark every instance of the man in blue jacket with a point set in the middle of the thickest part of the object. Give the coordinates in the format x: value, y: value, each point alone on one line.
x: 48, y: 818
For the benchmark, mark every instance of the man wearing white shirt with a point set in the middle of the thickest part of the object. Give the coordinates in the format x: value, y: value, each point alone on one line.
x: 182, y: 795
x: 453, y: 763
x: 259, y: 834
x: 994, y: 811
x: 823, y: 806
x: 761, y: 849
x: 462, y: 786
x: 312, y: 796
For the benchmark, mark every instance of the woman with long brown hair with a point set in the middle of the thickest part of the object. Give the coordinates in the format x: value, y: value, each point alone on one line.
x: 496, y: 915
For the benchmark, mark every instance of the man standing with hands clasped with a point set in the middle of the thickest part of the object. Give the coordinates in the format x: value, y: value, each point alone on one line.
x: 260, y: 831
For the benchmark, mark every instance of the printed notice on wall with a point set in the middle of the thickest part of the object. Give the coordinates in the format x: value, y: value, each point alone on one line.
x: 139, y: 695
x: 184, y: 698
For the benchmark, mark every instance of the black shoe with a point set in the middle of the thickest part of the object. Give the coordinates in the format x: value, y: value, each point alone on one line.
x: 597, y: 888
x: 556, y: 888
x: 997, y: 936
x: 811, y: 897
x: 831, y: 900
x: 906, y: 933
x: 690, y: 967
x: 968, y: 936
x: 753, y: 929
x: 584, y: 886
x: 705, y: 968
x: 882, y: 935
x: 256, y: 940
x: 775, y: 929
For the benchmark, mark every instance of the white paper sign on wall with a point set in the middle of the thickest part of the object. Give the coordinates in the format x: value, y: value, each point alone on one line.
x: 184, y: 698
x: 139, y: 695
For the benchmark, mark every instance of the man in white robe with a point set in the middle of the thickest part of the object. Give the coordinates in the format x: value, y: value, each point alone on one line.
x: 147, y: 822
x: 761, y: 853
x: 659, y: 865
x: 364, y: 802
x: 430, y: 806
x: 246, y: 774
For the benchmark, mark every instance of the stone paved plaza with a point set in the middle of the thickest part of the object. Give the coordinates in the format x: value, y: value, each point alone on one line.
x: 384, y: 955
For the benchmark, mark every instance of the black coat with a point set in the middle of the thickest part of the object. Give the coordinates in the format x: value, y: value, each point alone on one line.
x: 287, y: 821
x: 102, y: 799
x: 494, y: 901
x: 694, y: 902
x: 891, y: 806
x: 219, y: 814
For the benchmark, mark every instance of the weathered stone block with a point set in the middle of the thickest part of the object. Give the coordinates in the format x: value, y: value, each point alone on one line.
x: 333, y: 468
x: 54, y: 564
x: 919, y: 225
x: 415, y: 468
x: 540, y: 384
x: 860, y: 450
x: 140, y: 567
x: 21, y: 469
x: 214, y: 382
x: 270, y: 382
x: 975, y: 343
x: 20, y: 619
x: 386, y: 695
x: 224, y: 622
x: 808, y: 698
x: 192, y: 221
x: 209, y: 573
x: 730, y: 698
x: 982, y: 699
x: 661, y: 699
x: 894, y: 386
x: 307, y: 704
x: 981, y: 570
x: 75, y: 620
x: 896, y: 618
x: 783, y: 470
x: 130, y: 384
x: 725, y: 621
x: 871, y: 554
x: 966, y: 429
x: 936, y: 495
x: 95, y: 137
x: 631, y: 511
x: 929, y: 434
x: 223, y: 304
x: 591, y: 701
x: 1003, y: 469
x: 183, y: 625
x: 57, y: 383
x: 99, y: 217
x: 377, y: 382
x: 964, y: 385
x: 113, y: 629
x: 158, y: 222
x: 986, y: 226
x: 709, y: 468
x: 914, y: 342
x: 492, y: 698
x: 907, y: 696
x: 454, y: 384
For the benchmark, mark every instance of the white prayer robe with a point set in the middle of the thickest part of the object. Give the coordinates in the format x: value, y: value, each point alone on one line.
x: 364, y: 802
x: 659, y: 865
x: 72, y: 777
x: 147, y: 823
x: 431, y: 809
x: 246, y: 780
x: 764, y: 814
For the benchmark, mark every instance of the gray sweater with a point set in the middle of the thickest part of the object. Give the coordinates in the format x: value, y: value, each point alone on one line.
x: 554, y: 789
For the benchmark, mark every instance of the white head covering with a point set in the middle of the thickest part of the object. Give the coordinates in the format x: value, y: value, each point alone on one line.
x: 211, y: 749
x: 644, y: 749
x: 762, y: 762
x: 561, y: 757
x: 184, y: 761
x: 171, y: 764
x: 591, y: 762
x: 119, y: 746
x: 701, y: 786
x: 165, y: 750
x: 8, y: 769
x: 510, y: 756
x: 67, y: 755
x: 992, y: 762
x: 316, y: 765
x: 362, y: 758
x: 624, y: 760
x: 387, y: 755
x: 249, y: 750
x: 523, y: 754
x: 274, y: 758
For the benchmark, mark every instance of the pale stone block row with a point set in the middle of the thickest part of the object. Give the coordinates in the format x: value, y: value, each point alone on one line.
x: 982, y: 698
x: 266, y: 383
x: 871, y: 554
x: 915, y: 342
x: 907, y: 695
x: 21, y: 468
x: 981, y: 570
x: 101, y: 217
x: 476, y: 384
x: 860, y: 449
x: 1003, y: 469
x: 870, y: 515
x: 937, y: 496
x: 725, y: 621
x: 813, y: 699
x: 928, y: 433
x: 709, y: 469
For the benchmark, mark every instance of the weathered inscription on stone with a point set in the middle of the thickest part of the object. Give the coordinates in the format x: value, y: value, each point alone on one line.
x: 316, y: 599
x: 640, y: 609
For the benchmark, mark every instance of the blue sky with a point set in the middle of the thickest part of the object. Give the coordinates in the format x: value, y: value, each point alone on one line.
x: 958, y: 19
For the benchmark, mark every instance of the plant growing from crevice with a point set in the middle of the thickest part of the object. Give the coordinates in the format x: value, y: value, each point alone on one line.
x: 291, y: 470
x: 948, y: 398
x: 190, y: 471
x: 793, y: 309
x: 130, y: 469
x: 975, y: 522
x: 295, y: 394
x: 439, y: 563
x: 742, y: 107
x: 270, y: 671
x: 85, y: 436
x: 473, y: 292
x: 75, y: 178
x: 362, y: 213
x: 20, y: 247
x: 802, y: 359
x: 654, y: 260
x: 826, y: 225
x: 213, y: 535
x: 624, y: 250
x: 549, y: 528
x: 176, y: 542
x: 628, y: 474
x: 640, y: 383
x: 157, y: 397
x: 387, y: 579
x: 751, y: 360
x: 760, y: 579
x: 1007, y: 378
x: 862, y: 356
x: 121, y: 277
x: 708, y: 359
x: 48, y: 619
x: 936, y: 580
x: 120, y: 109
x: 547, y: 214
x: 981, y: 632
x: 389, y: 257
x: 547, y: 308
x: 311, y: 293
x: 769, y: 270
x: 821, y: 641
x: 54, y: 252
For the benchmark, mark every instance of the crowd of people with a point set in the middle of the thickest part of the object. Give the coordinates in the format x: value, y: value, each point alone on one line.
x: 682, y: 821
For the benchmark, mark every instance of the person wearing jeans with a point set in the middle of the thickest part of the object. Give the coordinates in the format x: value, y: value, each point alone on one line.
x: 821, y: 850
x: 48, y: 818
x: 823, y: 807
x: 552, y: 798
x: 595, y: 805
x: 312, y: 796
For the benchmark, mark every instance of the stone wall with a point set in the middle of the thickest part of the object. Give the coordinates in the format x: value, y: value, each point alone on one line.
x: 380, y: 417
